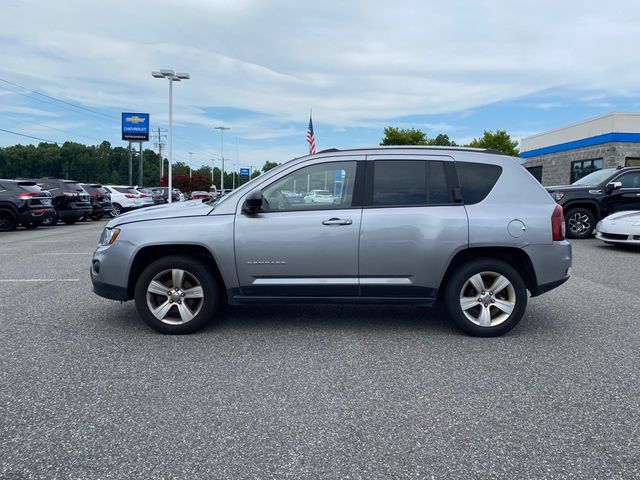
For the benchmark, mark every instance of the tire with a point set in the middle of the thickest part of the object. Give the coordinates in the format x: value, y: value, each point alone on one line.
x: 117, y: 210
x: 174, y: 318
x: 31, y: 225
x: 8, y: 220
x: 70, y: 221
x: 580, y: 223
x: 488, y: 312
x: 50, y: 219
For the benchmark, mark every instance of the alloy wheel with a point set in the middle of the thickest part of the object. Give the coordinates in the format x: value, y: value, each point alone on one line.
x: 175, y: 296
x: 579, y: 223
x: 487, y: 299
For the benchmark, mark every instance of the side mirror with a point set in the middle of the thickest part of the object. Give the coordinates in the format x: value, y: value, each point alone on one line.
x: 611, y: 186
x: 252, y: 202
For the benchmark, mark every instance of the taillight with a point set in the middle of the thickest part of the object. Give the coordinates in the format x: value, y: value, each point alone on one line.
x: 557, y: 224
x: 27, y: 195
x: 128, y: 195
x: 70, y: 194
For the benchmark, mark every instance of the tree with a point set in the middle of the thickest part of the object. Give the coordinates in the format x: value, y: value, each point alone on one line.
x: 268, y: 166
x: 500, y: 141
x: 442, y: 139
x: 403, y: 136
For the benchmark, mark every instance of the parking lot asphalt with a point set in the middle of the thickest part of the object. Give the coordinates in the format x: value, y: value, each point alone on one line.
x: 314, y: 391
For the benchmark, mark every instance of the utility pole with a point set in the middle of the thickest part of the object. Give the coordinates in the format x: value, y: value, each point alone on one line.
x: 160, y: 145
x: 222, y: 129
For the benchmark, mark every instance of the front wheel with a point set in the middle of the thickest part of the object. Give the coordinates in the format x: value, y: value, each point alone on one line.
x: 486, y: 297
x: 176, y: 295
x: 580, y: 223
x: 50, y: 219
x: 117, y: 210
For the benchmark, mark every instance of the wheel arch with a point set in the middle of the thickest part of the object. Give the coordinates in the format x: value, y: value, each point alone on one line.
x: 515, y: 257
x: 146, y: 255
x: 590, y: 205
x: 9, y: 206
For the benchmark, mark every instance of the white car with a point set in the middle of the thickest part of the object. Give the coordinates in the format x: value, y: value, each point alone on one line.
x: 123, y: 198
x: 147, y: 200
x: 319, y: 196
x: 622, y: 228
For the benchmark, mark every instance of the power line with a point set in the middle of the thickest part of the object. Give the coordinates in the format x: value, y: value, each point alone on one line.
x: 95, y: 112
x: 57, y: 129
x: 29, y: 136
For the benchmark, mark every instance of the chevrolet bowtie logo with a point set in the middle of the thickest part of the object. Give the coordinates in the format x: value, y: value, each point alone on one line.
x: 135, y: 119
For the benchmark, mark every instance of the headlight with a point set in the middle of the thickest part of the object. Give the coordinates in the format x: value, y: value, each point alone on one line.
x: 557, y: 196
x: 108, y: 236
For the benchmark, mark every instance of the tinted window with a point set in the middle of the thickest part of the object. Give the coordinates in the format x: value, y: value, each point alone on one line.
x: 125, y: 190
x: 439, y: 192
x: 630, y: 180
x: 399, y: 182
x: 476, y: 180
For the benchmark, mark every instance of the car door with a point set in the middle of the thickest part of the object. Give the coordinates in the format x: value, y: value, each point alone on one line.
x: 291, y: 248
x: 628, y: 196
x: 411, y: 225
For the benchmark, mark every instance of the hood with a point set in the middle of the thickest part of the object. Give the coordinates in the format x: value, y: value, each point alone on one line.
x: 629, y: 216
x: 570, y: 188
x: 173, y: 210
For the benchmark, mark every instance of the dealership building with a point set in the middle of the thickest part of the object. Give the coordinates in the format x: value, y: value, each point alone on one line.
x: 564, y: 155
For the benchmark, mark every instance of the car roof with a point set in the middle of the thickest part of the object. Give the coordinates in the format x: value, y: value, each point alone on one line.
x: 382, y: 148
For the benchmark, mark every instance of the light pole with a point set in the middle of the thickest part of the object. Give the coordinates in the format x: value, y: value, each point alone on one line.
x: 190, y: 158
x: 222, y: 129
x: 172, y: 77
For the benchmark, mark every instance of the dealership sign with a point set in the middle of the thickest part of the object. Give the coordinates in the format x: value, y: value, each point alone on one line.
x: 244, y: 172
x: 135, y: 126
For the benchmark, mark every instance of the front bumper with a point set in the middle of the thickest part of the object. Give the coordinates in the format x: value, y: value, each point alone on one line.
x: 105, y: 290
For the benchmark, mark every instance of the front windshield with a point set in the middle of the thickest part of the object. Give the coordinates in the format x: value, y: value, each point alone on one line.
x: 595, y: 178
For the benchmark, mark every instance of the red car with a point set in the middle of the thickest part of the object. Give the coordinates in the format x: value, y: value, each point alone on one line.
x: 201, y: 195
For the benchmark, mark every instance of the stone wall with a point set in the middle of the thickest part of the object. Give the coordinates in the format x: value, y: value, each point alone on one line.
x: 556, y: 167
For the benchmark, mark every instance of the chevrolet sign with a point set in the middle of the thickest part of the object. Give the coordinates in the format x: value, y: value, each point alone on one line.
x: 135, y: 126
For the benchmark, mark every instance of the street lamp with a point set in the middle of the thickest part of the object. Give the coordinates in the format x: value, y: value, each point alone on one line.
x: 172, y: 77
x: 222, y: 129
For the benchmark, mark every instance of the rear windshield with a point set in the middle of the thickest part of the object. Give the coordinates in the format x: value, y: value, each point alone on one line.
x: 29, y: 187
x: 73, y: 187
x: 476, y: 180
x: 125, y: 190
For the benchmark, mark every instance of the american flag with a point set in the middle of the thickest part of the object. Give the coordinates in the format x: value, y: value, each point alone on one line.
x: 310, y: 138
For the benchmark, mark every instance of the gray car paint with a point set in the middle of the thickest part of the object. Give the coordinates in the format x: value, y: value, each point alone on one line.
x: 382, y: 246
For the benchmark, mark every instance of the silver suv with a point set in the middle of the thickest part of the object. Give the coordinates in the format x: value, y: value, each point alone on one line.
x: 468, y: 227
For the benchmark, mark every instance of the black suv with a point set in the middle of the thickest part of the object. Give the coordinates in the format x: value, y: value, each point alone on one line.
x: 22, y: 202
x: 100, y: 200
x: 70, y: 200
x: 591, y: 198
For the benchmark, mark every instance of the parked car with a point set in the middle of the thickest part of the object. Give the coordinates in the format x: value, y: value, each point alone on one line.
x: 468, y: 227
x: 147, y: 198
x: 124, y: 198
x: 319, y: 196
x: 23, y: 202
x: 158, y: 199
x: 177, y: 195
x: 200, y: 195
x: 70, y: 200
x: 100, y: 200
x: 597, y: 195
x: 622, y: 228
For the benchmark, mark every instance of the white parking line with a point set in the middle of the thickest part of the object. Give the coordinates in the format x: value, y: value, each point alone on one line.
x: 23, y: 280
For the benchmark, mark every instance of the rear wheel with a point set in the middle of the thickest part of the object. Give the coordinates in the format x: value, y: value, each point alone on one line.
x: 486, y: 297
x: 8, y: 220
x: 580, y: 223
x: 50, y: 219
x: 176, y: 294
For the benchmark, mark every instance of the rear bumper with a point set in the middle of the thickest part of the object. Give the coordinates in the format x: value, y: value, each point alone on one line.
x: 35, y: 215
x: 551, y: 264
x: 75, y: 213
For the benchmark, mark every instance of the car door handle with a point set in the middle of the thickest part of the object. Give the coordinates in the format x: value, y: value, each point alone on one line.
x: 337, y: 221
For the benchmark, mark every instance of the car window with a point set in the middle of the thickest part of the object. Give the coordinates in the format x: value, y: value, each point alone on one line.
x: 126, y: 190
x: 476, y: 180
x: 399, y: 182
x: 439, y: 190
x: 316, y: 187
x: 630, y: 180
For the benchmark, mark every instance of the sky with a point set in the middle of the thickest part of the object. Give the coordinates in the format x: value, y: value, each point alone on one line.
x: 259, y: 67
